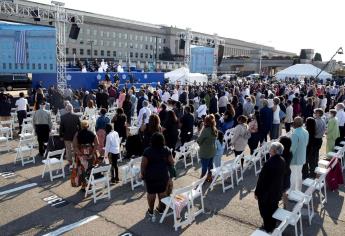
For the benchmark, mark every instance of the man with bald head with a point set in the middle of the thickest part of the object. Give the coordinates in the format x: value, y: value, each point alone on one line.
x: 299, y: 142
x: 69, y: 125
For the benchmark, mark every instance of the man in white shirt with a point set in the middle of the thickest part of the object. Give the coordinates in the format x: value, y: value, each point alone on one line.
x: 165, y: 96
x: 144, y: 114
x: 288, y: 116
x: 22, y: 105
x: 202, y: 109
x: 112, y: 151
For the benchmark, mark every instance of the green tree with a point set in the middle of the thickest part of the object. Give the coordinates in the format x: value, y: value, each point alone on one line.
x: 303, y: 54
x: 317, y: 57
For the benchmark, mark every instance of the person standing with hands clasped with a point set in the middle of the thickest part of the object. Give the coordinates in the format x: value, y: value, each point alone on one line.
x: 269, y: 187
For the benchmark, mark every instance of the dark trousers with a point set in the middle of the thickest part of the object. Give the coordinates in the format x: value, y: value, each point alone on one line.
x: 21, y: 116
x: 287, y: 127
x: 42, y: 132
x: 206, y: 166
x: 312, y: 159
x: 239, y: 153
x: 267, y: 208
x: 342, y: 132
x: 186, y: 137
x: 114, y: 167
x: 253, y: 141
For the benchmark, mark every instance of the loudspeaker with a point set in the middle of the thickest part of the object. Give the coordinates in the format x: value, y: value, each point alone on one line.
x: 220, y: 54
x: 73, y: 34
x: 34, y: 13
x: 182, y: 43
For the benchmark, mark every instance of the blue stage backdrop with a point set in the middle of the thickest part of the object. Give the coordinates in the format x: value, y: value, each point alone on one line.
x: 202, y: 60
x: 91, y: 80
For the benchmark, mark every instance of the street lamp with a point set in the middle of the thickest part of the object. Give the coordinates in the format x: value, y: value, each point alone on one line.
x: 339, y: 51
x: 90, y: 42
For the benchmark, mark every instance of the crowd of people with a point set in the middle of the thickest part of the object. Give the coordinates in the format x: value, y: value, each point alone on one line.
x: 166, y: 117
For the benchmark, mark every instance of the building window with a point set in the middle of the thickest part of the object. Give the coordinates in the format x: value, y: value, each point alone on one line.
x: 150, y: 56
x: 146, y: 55
x: 125, y: 36
x: 4, y: 65
x: 107, y: 43
x: 136, y: 37
x: 114, y: 53
x: 125, y: 44
x: 33, y: 66
x: 102, y: 52
x: 146, y: 47
x: 151, y: 47
x: 108, y: 53
x: 151, y: 39
x: 16, y: 66
x: 95, y: 52
x: 102, y: 43
x: 141, y: 46
x: 130, y: 37
x: 67, y: 50
x: 95, y: 32
x: 141, y: 38
x: 39, y: 66
x: 101, y: 33
x: 107, y: 34
x: 45, y: 66
x: 114, y: 34
x: 136, y: 46
x: 136, y: 55
x: 51, y: 66
x: 81, y: 41
x: 120, y: 35
x: 141, y: 55
x: 88, y: 52
x: 114, y: 44
x: 120, y: 44
x: 10, y: 66
x: 88, y: 31
x: 22, y: 66
x: 159, y: 40
x: 164, y: 40
x: 81, y: 51
x: 131, y: 54
x: 27, y: 66
x: 145, y: 38
x: 74, y: 50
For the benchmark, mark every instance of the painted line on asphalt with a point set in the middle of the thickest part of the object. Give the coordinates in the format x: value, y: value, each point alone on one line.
x: 72, y: 226
x: 18, y: 189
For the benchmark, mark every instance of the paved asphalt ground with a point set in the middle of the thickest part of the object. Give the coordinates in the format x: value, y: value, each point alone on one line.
x: 235, y: 212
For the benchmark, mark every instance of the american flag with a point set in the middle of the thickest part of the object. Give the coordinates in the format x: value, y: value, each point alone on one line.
x: 20, y: 47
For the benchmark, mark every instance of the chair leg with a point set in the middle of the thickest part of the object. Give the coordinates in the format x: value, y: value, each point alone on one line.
x: 164, y: 214
x: 44, y: 170
x: 63, y: 170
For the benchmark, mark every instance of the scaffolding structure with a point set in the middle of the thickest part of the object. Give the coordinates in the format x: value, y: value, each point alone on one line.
x: 191, y: 38
x: 56, y: 14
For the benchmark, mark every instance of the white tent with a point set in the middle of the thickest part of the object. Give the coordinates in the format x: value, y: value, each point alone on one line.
x: 301, y: 71
x: 183, y: 76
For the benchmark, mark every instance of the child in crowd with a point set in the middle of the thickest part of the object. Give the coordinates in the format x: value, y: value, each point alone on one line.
x: 220, y: 146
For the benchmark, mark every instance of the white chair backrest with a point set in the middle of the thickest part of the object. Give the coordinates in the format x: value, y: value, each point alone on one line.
x: 227, y: 163
x: 60, y: 153
x: 238, y: 160
x: 136, y: 161
x: 184, y: 190
x: 26, y: 142
x: 100, y: 169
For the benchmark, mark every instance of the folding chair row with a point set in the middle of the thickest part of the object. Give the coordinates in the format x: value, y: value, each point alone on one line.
x: 131, y: 173
x: 54, y: 161
x: 99, y: 185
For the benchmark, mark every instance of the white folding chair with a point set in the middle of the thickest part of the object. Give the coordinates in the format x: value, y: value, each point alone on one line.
x: 340, y: 154
x: 25, y: 151
x: 134, y: 173
x: 184, y: 153
x: 4, y: 137
x: 7, y: 124
x: 53, y: 163
x: 307, y: 197
x: 197, y: 193
x: 27, y: 131
x: 97, y: 185
x: 237, y: 167
x: 227, y: 139
x: 277, y: 231
x: 252, y: 160
x: 223, y: 172
x: 320, y: 184
x: 173, y: 202
x: 293, y: 217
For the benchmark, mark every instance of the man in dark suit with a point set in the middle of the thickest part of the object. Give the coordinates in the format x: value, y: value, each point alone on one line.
x: 269, y: 187
x: 69, y: 125
x: 266, y: 120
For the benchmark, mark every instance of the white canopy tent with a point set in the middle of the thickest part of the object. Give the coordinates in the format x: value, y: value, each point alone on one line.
x: 301, y: 71
x: 183, y: 76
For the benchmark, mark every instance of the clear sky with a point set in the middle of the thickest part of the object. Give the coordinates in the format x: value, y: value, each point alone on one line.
x: 287, y: 25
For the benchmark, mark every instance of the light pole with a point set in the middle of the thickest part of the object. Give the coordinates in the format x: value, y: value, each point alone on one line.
x: 260, y: 63
x: 90, y: 42
x: 339, y: 51
x: 155, y: 61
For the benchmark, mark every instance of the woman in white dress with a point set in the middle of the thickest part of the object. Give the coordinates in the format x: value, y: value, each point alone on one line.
x: 90, y: 113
